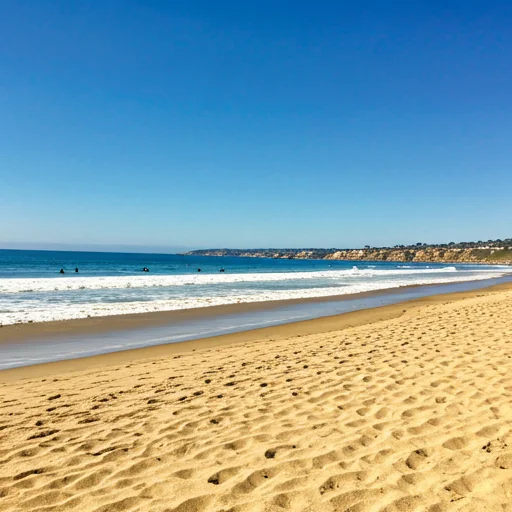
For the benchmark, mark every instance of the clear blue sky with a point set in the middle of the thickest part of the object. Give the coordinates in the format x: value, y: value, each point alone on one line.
x: 255, y: 124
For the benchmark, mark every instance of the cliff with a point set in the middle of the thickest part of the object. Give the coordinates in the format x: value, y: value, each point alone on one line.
x: 499, y: 255
x: 502, y: 256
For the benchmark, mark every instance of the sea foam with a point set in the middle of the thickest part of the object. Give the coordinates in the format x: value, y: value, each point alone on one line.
x: 46, y: 299
x: 68, y: 283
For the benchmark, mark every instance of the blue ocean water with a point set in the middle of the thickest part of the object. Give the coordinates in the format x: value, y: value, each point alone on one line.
x: 33, y: 290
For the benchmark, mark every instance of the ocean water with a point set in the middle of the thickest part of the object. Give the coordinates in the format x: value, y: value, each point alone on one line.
x: 33, y: 290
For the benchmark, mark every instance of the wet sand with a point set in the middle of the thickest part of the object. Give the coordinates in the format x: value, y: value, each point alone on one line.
x: 400, y: 408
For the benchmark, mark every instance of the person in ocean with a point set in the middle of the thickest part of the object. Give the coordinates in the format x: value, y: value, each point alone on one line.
x: 76, y: 270
x: 61, y: 271
x: 145, y: 269
x: 199, y: 270
x: 222, y: 270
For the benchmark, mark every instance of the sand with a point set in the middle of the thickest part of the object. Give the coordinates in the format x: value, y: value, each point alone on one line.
x: 410, y: 410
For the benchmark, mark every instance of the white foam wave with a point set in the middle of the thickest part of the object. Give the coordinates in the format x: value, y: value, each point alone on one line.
x: 65, y: 283
x: 38, y: 312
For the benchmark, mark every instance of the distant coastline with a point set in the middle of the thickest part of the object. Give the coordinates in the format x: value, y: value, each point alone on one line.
x: 491, y: 252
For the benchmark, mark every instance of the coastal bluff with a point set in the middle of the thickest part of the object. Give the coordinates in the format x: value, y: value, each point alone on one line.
x: 491, y: 255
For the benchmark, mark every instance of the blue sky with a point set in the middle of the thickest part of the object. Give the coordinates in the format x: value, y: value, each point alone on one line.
x: 254, y: 124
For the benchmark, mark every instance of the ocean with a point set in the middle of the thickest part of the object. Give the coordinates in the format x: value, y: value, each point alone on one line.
x: 33, y: 290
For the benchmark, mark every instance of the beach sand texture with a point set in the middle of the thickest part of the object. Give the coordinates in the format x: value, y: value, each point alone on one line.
x: 412, y: 413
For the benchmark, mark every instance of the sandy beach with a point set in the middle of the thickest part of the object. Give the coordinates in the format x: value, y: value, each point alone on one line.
x: 400, y: 408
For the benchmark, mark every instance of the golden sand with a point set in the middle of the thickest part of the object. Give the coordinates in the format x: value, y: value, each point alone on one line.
x: 409, y: 413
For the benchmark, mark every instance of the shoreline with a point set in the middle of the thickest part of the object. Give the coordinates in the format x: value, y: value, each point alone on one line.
x: 22, y: 332
x: 13, y: 333
x: 314, y: 326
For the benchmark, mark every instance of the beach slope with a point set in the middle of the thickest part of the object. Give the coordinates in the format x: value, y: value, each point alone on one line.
x: 412, y: 412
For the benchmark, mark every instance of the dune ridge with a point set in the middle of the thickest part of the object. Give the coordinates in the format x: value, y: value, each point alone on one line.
x: 410, y: 413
